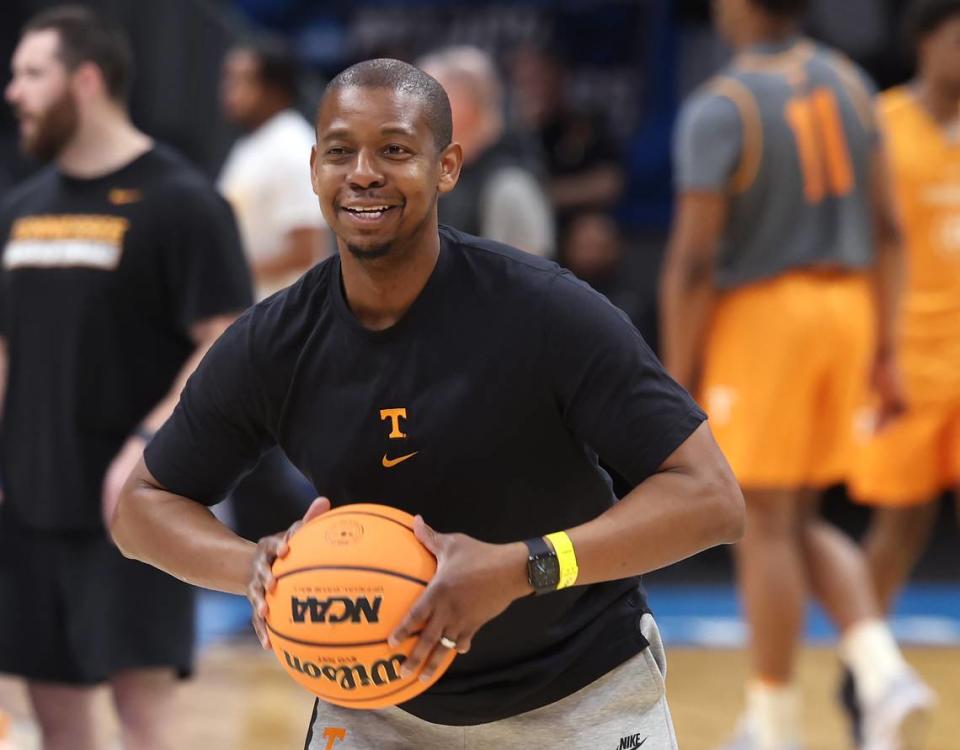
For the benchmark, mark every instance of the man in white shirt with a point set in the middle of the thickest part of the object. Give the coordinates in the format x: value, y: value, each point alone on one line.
x: 266, y: 176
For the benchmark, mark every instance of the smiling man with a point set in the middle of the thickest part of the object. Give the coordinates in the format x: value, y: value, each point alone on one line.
x: 497, y: 378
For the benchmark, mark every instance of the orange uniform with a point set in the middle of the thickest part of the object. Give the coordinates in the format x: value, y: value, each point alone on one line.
x: 788, y: 134
x: 918, y: 455
x: 784, y: 372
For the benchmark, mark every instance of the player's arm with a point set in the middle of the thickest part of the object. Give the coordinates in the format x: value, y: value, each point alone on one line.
x: 690, y: 504
x: 302, y: 247
x: 203, y: 334
x: 613, y: 395
x: 305, y: 238
x: 600, y: 185
x: 218, y: 431
x: 687, y: 288
x: 184, y: 539
x: 205, y: 270
x: 707, y: 149
x: 888, y: 281
x: 179, y: 536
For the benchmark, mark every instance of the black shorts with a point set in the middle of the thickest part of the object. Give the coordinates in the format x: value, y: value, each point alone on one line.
x: 74, y: 610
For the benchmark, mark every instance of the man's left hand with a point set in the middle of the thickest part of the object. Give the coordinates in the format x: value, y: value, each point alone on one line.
x: 120, y: 468
x: 474, y: 583
x: 887, y: 382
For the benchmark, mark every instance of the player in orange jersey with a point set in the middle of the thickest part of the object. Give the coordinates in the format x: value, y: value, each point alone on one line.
x: 905, y: 466
x: 770, y: 310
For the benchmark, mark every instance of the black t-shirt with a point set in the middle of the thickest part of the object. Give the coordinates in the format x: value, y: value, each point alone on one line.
x: 100, y: 281
x: 512, y: 375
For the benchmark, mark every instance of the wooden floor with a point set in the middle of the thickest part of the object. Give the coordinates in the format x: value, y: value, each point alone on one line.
x: 705, y: 690
x: 242, y: 700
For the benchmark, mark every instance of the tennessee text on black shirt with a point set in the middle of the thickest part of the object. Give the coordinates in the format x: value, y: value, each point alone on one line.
x: 100, y: 281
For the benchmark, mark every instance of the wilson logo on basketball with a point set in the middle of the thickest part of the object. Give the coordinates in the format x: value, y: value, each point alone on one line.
x: 335, y: 609
x: 352, y: 676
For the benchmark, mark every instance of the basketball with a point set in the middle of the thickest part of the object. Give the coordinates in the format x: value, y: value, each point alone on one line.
x: 349, y: 578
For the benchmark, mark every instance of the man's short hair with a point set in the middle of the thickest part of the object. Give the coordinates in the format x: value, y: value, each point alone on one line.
x: 277, y: 65
x: 923, y: 17
x: 85, y: 37
x: 395, y: 75
x: 789, y: 8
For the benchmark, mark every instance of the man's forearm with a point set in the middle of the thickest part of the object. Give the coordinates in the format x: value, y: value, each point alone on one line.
x: 888, y: 273
x: 687, y: 289
x: 302, y: 248
x: 180, y: 537
x: 672, y: 515
x: 686, y: 303
x: 889, y: 265
x: 162, y: 411
x: 597, y: 187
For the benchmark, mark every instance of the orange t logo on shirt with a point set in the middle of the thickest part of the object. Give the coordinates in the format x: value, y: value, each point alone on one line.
x: 332, y: 734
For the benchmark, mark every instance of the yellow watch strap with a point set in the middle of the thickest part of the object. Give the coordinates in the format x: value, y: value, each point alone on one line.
x: 566, y: 557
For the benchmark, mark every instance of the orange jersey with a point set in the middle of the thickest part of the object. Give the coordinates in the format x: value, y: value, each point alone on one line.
x: 925, y: 167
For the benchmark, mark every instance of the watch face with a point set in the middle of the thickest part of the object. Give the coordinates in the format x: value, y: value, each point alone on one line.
x: 544, y: 571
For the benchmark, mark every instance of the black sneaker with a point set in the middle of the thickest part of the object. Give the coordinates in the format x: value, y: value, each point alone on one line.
x: 847, y: 695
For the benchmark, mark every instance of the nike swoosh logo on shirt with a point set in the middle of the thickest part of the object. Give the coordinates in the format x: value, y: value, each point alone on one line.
x: 389, y: 463
x: 122, y: 196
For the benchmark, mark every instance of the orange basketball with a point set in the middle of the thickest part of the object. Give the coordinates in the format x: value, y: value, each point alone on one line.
x: 348, y: 580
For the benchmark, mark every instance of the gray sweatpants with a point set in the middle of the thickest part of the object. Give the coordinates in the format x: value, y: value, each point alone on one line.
x: 624, y: 709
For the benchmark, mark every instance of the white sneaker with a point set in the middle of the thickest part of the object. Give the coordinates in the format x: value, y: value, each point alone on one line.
x: 744, y: 738
x: 20, y: 735
x: 900, y: 718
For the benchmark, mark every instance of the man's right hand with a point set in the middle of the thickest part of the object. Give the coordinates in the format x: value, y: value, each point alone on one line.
x: 269, y: 549
x: 887, y: 383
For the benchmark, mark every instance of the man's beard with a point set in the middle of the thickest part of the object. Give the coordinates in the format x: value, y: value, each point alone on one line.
x: 372, y: 253
x: 53, y: 129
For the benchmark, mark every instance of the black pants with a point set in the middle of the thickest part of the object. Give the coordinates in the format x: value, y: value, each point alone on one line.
x: 76, y: 611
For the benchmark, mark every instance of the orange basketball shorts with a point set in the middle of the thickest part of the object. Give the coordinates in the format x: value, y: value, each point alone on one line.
x: 911, y: 460
x: 786, y: 363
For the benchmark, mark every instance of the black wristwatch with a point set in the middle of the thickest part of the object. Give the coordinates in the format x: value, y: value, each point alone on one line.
x: 543, y: 568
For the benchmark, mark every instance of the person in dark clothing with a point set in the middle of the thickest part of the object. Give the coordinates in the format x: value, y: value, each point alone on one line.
x: 500, y: 379
x: 120, y: 265
x: 582, y: 157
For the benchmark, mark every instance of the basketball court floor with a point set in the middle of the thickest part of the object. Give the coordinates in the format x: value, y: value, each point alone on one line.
x: 241, y: 699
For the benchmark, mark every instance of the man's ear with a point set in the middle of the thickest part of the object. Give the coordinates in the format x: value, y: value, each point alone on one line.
x: 451, y: 161
x: 87, y: 80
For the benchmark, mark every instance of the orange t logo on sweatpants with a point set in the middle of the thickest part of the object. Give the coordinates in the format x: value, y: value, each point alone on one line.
x: 332, y: 734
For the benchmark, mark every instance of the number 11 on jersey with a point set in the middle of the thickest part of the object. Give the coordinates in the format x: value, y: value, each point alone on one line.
x: 821, y: 145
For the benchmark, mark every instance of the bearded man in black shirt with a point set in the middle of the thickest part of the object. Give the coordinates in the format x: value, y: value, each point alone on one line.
x: 475, y: 386
x: 120, y: 265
